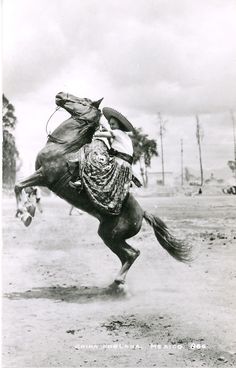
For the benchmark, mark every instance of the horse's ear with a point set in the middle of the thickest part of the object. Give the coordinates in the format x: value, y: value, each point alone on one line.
x: 97, y: 103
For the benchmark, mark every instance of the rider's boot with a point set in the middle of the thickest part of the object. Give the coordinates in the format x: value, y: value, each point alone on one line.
x: 76, y: 185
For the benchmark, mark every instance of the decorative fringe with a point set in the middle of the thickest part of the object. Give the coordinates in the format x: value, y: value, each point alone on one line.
x: 176, y: 248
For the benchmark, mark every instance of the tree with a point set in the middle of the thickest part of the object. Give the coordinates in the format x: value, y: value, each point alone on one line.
x: 9, y: 150
x: 199, y: 136
x: 144, y: 150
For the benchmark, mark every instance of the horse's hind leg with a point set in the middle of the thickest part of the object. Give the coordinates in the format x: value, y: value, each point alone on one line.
x: 33, y: 180
x: 130, y: 255
x: 124, y: 251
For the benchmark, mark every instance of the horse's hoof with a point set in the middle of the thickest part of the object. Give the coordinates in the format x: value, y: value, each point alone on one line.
x: 117, y: 288
x: 26, y: 219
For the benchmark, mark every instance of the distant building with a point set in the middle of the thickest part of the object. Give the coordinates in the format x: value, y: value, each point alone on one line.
x: 155, y: 178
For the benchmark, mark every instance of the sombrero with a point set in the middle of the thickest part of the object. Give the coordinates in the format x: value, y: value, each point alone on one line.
x: 109, y: 113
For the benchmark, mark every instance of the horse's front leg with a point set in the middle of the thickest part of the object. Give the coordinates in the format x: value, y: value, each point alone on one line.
x: 33, y: 180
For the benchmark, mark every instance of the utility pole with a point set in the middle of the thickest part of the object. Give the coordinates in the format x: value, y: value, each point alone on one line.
x: 162, y: 151
x: 199, y: 136
x: 234, y: 134
x: 182, y: 166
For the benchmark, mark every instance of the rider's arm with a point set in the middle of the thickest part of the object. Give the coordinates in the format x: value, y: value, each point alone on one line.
x: 103, y: 134
x: 105, y: 126
x: 107, y: 134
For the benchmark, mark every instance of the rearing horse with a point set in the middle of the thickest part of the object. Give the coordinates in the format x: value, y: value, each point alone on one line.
x: 52, y: 172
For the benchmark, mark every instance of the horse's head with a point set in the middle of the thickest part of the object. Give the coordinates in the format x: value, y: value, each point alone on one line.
x: 82, y: 108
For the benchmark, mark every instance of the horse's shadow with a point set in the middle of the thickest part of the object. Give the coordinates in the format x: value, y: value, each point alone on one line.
x: 70, y: 294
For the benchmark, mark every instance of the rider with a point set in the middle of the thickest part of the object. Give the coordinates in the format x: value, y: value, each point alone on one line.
x: 117, y: 131
x: 109, y: 185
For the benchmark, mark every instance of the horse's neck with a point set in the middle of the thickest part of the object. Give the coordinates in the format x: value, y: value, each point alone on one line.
x: 73, y: 134
x: 66, y: 130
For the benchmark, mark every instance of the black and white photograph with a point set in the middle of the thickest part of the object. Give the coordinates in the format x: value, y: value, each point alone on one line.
x: 118, y: 183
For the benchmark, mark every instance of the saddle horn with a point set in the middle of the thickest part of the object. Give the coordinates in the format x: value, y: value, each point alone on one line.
x: 97, y: 103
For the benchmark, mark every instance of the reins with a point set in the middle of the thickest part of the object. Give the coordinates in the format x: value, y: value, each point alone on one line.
x: 57, y: 108
x: 50, y: 137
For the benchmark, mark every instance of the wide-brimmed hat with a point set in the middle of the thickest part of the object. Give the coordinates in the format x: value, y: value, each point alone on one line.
x: 109, y: 113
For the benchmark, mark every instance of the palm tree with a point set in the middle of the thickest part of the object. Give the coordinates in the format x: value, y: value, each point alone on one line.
x: 144, y: 150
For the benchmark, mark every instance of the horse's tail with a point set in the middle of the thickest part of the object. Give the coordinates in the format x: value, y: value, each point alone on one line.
x: 176, y: 248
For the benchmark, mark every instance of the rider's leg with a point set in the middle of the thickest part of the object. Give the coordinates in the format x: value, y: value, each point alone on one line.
x: 75, y: 169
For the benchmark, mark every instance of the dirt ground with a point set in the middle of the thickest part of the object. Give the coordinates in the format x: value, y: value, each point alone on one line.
x: 57, y: 310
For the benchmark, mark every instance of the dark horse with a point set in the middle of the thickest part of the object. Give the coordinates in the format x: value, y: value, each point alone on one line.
x: 52, y: 171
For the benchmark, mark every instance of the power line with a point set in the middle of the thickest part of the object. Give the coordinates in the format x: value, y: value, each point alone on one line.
x: 162, y: 151
x: 182, y: 166
x: 234, y: 135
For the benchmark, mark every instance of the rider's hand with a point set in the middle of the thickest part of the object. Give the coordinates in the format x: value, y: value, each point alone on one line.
x: 105, y: 125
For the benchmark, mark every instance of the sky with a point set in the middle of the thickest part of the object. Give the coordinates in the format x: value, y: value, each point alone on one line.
x: 143, y: 56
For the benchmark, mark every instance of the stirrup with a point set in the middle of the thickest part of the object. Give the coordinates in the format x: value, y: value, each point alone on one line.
x: 74, y: 185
